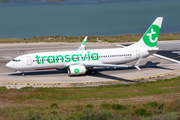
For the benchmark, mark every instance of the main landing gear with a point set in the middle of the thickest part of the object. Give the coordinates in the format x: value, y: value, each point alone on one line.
x: 91, y: 71
x: 23, y: 74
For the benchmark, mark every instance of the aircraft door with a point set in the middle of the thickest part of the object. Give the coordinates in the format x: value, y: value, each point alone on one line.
x: 29, y: 62
x: 138, y: 54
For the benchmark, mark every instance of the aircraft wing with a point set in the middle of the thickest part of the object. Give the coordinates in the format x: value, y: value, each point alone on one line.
x: 82, y: 46
x: 119, y: 45
x: 136, y: 65
x: 106, y: 65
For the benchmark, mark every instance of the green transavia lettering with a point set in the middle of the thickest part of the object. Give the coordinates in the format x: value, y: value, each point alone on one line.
x: 67, y: 58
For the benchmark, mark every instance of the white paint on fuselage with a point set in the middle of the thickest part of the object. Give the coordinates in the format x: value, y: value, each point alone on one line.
x: 106, y: 56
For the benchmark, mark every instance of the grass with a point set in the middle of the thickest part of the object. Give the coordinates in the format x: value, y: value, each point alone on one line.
x: 110, y: 39
x: 150, y: 100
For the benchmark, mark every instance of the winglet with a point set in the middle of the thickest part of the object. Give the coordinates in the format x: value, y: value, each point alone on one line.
x: 82, y: 46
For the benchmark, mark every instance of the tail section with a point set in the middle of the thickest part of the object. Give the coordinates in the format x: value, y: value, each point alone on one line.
x: 150, y: 38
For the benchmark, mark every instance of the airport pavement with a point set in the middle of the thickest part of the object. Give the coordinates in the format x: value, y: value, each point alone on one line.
x: 60, y: 78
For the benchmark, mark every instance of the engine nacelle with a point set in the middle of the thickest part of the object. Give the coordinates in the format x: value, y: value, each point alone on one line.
x: 76, y: 69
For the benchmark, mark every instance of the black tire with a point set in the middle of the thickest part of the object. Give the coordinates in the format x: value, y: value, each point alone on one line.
x: 92, y: 72
x: 23, y: 74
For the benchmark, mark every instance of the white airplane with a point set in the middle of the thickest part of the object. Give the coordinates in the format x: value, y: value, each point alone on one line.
x: 80, y: 61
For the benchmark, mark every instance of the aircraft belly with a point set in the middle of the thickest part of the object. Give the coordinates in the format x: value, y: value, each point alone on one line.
x: 45, y: 66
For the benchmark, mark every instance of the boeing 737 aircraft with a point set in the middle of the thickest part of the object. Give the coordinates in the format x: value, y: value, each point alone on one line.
x: 80, y: 61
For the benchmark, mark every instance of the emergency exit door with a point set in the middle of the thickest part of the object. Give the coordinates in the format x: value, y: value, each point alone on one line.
x: 29, y: 62
x: 138, y: 54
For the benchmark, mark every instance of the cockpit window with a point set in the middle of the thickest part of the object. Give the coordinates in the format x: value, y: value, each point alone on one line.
x: 16, y: 60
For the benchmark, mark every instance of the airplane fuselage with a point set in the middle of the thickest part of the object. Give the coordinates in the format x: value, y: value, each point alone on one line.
x: 58, y: 60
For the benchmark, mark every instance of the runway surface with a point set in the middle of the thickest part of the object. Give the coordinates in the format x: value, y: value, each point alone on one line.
x: 153, y: 66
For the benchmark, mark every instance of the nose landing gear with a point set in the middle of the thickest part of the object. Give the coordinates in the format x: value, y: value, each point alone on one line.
x: 23, y: 73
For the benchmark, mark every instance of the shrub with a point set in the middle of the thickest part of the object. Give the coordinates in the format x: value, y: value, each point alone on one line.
x: 94, y: 115
x: 89, y: 106
x: 161, y: 106
x: 143, y: 112
x: 118, y: 107
x: 84, y: 116
x: 152, y: 104
x: 71, y: 118
x: 105, y: 105
x: 54, y: 105
x: 104, y: 115
x: 33, y: 116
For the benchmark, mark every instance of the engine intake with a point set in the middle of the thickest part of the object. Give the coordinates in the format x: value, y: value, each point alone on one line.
x: 76, y: 70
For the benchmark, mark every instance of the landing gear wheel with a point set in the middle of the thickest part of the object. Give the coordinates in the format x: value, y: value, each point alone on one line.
x: 23, y: 74
x: 92, y: 72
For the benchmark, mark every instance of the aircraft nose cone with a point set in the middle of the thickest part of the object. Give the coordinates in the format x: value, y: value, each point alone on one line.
x: 9, y: 64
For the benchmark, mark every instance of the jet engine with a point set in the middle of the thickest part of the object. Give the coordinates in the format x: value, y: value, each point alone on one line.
x: 76, y: 69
